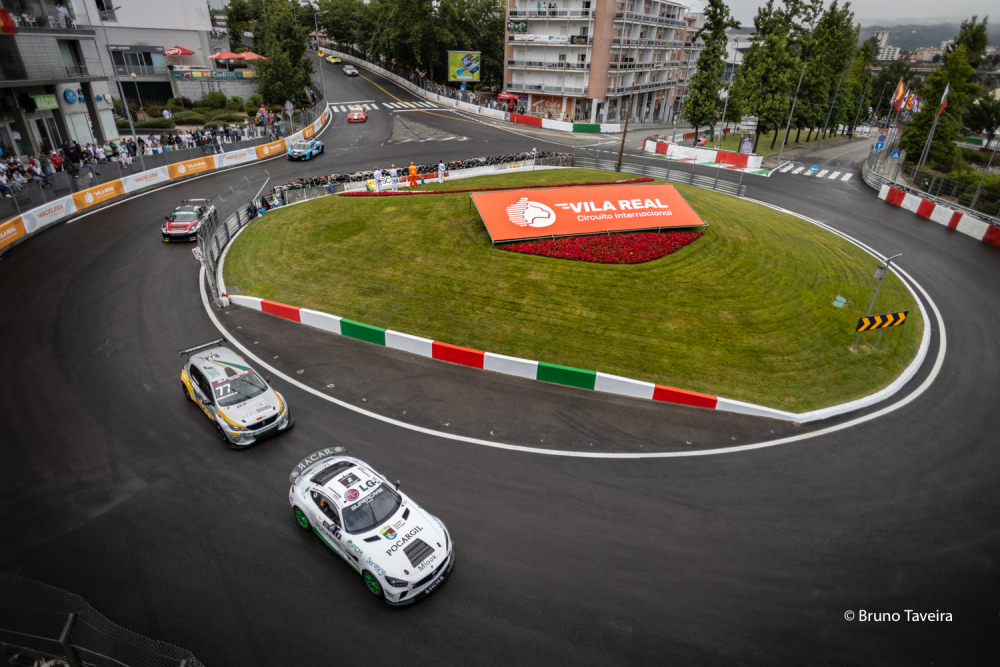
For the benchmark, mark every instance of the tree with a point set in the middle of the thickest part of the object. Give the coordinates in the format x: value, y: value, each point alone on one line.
x: 956, y: 74
x: 704, y: 102
x: 885, y: 82
x: 763, y: 80
x: 973, y: 36
x: 281, y: 38
x: 983, y: 116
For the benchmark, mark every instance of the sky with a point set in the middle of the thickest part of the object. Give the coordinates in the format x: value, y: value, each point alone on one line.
x: 884, y: 12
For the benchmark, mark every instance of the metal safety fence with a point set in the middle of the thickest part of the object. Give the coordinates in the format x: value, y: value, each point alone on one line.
x: 45, y: 625
x: 678, y: 172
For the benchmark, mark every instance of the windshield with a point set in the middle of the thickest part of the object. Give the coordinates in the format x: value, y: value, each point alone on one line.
x: 239, y: 389
x: 371, y: 510
x: 301, y: 146
x: 184, y: 216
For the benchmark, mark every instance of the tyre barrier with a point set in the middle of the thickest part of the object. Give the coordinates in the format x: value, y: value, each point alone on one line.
x: 941, y: 214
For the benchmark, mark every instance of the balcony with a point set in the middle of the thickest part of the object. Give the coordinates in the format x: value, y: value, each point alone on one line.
x: 539, y: 88
x: 645, y: 41
x: 553, y: 40
x: 34, y: 71
x: 618, y: 67
x: 537, y: 64
x: 42, y: 15
x: 550, y: 13
x: 141, y: 70
x: 108, y: 16
x: 612, y: 90
x: 646, y: 18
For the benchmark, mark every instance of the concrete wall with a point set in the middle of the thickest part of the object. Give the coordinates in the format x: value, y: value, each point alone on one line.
x: 195, y: 89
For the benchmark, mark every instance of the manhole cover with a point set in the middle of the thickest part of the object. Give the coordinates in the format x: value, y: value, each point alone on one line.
x: 107, y: 349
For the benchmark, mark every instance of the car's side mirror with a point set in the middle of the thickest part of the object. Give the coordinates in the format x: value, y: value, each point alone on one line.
x: 267, y: 378
x: 167, y: 218
x: 397, y: 485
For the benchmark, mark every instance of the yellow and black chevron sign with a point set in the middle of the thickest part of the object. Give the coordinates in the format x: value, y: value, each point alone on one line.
x: 882, y: 321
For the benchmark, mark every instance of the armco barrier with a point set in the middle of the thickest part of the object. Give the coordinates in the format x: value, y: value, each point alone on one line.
x: 610, y: 128
x: 941, y: 214
x: 34, y: 220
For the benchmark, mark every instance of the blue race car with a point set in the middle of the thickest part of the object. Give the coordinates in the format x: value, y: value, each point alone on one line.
x: 304, y: 150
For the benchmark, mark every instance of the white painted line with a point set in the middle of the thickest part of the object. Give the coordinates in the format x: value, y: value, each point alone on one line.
x: 822, y: 173
x: 374, y: 108
x: 786, y: 168
x: 798, y: 170
x: 366, y: 107
x: 847, y: 177
x: 391, y: 105
x: 834, y: 175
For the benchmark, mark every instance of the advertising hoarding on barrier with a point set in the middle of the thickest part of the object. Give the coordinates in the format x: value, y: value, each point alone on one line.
x: 98, y: 194
x: 53, y: 211
x: 234, y: 157
x: 271, y: 149
x: 514, y: 215
x: 308, y: 131
x: 463, y: 65
x: 11, y: 231
x: 188, y: 167
x: 144, y: 179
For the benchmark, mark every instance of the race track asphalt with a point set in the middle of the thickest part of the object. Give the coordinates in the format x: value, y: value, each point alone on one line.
x: 113, y: 487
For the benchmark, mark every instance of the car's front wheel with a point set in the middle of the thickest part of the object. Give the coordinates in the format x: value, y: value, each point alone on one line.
x: 371, y: 581
x: 221, y: 434
x: 301, y: 519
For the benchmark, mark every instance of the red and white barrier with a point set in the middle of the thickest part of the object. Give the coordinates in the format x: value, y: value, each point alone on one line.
x: 703, y: 155
x: 941, y: 214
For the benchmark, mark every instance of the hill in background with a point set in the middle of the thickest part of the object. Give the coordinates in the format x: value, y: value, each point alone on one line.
x: 911, y: 36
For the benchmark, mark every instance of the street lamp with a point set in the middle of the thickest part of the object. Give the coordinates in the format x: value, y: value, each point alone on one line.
x: 805, y: 61
x: 322, y: 87
x: 880, y: 272
x: 139, y: 96
x: 833, y: 104
x: 121, y: 91
x: 725, y: 106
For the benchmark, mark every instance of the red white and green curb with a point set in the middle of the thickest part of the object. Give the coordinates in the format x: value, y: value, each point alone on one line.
x: 554, y: 373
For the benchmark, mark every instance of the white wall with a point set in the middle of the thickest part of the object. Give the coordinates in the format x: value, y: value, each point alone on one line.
x: 163, y: 14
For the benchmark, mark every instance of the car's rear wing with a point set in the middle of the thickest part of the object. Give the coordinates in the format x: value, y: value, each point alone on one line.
x: 181, y: 353
x: 196, y: 201
x: 313, y: 459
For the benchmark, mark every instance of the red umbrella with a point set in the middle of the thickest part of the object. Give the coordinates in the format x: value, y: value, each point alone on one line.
x: 178, y: 51
x: 225, y: 55
x: 250, y: 55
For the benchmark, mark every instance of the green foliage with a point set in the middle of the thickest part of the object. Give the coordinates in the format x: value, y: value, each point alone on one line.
x: 203, y: 110
x: 154, y: 110
x: 253, y: 103
x: 704, y: 103
x: 159, y: 123
x: 225, y: 117
x: 973, y: 36
x: 179, y: 103
x: 885, y: 82
x: 189, y: 118
x: 235, y: 103
x: 213, y: 100
x: 983, y: 116
x: 957, y: 74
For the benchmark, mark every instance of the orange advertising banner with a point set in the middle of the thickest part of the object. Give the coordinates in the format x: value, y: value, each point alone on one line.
x: 513, y: 215
x: 98, y: 193
x: 271, y: 149
x: 189, y: 167
x: 11, y: 231
x: 308, y: 131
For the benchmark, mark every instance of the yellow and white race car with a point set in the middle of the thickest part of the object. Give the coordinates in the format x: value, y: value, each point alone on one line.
x: 240, y: 403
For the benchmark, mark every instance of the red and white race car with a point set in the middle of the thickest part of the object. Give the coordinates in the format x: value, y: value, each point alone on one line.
x: 356, y: 115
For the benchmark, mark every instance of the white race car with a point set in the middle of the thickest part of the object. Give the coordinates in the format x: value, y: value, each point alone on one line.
x: 402, y: 552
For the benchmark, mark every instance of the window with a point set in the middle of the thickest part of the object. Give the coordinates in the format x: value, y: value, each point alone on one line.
x: 583, y: 31
x: 201, y: 382
x: 582, y: 58
x: 562, y: 57
x: 371, y: 510
x: 325, y: 507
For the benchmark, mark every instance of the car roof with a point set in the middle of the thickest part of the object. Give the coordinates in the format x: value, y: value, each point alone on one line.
x: 213, y: 362
x: 187, y: 207
x: 350, y: 473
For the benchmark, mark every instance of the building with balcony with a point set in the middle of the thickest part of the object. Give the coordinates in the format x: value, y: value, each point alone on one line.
x: 581, y: 60
x: 134, y: 36
x: 53, y: 87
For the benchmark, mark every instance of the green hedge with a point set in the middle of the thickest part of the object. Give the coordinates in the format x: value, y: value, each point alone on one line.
x: 156, y: 123
x: 189, y: 118
x: 229, y: 117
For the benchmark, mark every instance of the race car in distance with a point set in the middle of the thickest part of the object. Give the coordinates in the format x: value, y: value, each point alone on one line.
x: 333, y: 60
x: 356, y: 115
x: 350, y: 71
x: 402, y: 552
x: 305, y: 149
x: 239, y: 402
x: 183, y: 224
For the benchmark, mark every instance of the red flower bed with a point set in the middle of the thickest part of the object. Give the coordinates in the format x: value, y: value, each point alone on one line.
x: 608, y: 248
x: 388, y: 193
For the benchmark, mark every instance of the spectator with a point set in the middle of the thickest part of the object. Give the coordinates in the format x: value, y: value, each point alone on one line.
x: 281, y: 125
x: 36, y: 170
x: 5, y: 187
x: 56, y: 161
x: 64, y: 17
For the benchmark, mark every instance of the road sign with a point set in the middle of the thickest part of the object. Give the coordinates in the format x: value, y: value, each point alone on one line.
x: 813, y: 169
x: 880, y: 145
x: 881, y: 137
x: 896, y: 155
x: 748, y: 124
x: 873, y: 322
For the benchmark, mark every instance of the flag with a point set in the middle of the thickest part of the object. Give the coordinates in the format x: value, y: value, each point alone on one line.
x: 7, y: 25
x: 898, y: 95
x: 911, y: 100
x: 944, y: 101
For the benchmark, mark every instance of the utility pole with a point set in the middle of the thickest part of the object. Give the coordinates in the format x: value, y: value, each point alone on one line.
x: 725, y: 106
x: 322, y: 86
x: 121, y: 91
x: 854, y: 125
x: 830, y: 115
x: 880, y: 273
x: 618, y: 167
x: 792, y: 112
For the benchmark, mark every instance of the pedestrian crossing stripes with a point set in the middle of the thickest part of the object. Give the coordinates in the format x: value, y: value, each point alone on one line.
x: 822, y: 173
x: 394, y: 106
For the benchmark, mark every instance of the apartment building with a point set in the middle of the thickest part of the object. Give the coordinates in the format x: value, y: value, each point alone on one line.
x: 139, y: 35
x: 888, y: 53
x: 580, y: 60
x: 53, y: 87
